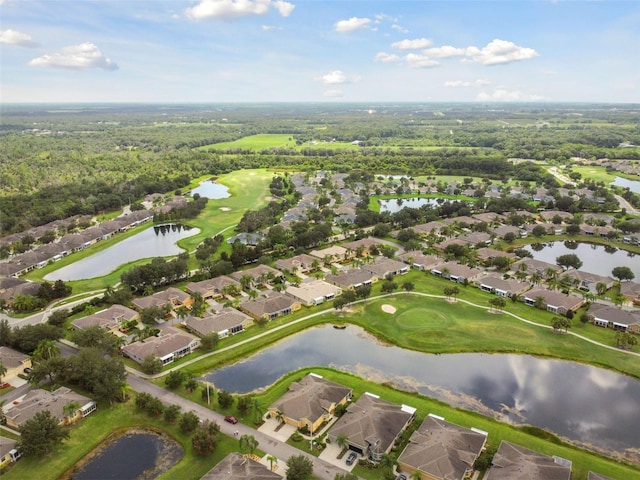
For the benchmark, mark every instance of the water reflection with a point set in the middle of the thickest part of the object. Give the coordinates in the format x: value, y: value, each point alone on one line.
x: 581, y: 402
x: 633, y: 185
x: 159, y: 241
x: 395, y: 205
x: 211, y: 189
x: 596, y: 259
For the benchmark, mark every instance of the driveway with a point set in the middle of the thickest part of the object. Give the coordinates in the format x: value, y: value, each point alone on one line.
x: 270, y: 428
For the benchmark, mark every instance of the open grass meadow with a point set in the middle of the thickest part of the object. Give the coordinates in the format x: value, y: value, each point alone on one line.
x: 256, y: 142
x: 89, y: 432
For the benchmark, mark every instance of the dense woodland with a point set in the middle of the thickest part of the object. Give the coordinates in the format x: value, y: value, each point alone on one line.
x: 59, y: 161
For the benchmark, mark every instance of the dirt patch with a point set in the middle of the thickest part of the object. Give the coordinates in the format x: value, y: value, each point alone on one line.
x: 386, y: 308
x: 225, y: 209
x: 268, y: 199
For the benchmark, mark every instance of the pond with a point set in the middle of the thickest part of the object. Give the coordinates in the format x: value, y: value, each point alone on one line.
x: 394, y: 205
x: 589, y: 405
x: 211, y: 189
x: 596, y: 259
x: 142, y: 455
x: 633, y: 185
x: 158, y: 241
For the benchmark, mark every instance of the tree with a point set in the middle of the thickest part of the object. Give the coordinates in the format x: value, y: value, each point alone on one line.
x: 3, y: 371
x: 46, y: 350
x: 340, y: 302
x: 244, y: 404
x: 6, y: 333
x: 189, y: 422
x: 342, y: 441
x: 601, y: 288
x: 622, y: 273
x: 388, y: 464
x: 95, y: 337
x: 40, y: 434
x: 388, y: 286
x: 248, y: 443
x: 191, y: 384
x: 58, y: 317
x: 498, y: 303
x: 210, y: 341
x: 205, y: 438
x: 175, y: 379
x: 271, y: 459
x: 299, y: 467
x: 408, y: 286
x: 70, y: 410
x: 626, y: 340
x: 171, y: 413
x: 95, y: 372
x: 151, y: 365
x: 225, y: 399
x: 569, y: 260
x: 560, y: 323
x: 346, y: 476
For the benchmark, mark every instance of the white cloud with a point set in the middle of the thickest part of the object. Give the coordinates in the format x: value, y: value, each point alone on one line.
x: 466, y: 84
x: 386, y: 57
x: 502, y: 51
x: 76, y: 57
x: 13, y: 37
x: 415, y: 60
x: 336, y: 77
x: 501, y: 94
x: 351, y: 25
x: 267, y: 28
x: 447, y: 51
x: 415, y: 44
x: 230, y: 9
x: 333, y: 93
x: 400, y: 28
x: 284, y: 8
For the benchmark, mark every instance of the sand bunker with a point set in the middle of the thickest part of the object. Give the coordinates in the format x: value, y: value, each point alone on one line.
x: 225, y: 209
x: 388, y: 308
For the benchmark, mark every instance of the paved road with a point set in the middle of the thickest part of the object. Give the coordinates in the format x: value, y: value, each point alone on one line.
x: 626, y: 205
x: 282, y: 451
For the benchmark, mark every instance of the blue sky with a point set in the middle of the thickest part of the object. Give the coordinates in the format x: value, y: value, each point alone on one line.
x: 312, y: 50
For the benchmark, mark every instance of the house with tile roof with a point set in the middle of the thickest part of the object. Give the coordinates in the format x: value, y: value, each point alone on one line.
x: 440, y: 450
x: 310, y: 402
x: 236, y: 466
x: 372, y: 425
x: 271, y: 307
x: 224, y: 322
x: 514, y: 462
x: 169, y: 346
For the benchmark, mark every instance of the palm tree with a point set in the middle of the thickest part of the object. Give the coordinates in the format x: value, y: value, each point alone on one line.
x: 415, y: 475
x: 342, y: 441
x: 388, y: 463
x: 253, y: 294
x: 271, y: 459
x: 70, y: 410
x: 257, y: 410
x: 245, y: 281
x: 248, y: 442
x: 46, y: 350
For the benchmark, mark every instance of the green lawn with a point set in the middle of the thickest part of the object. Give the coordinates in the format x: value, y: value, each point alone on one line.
x: 256, y: 142
x: 92, y: 430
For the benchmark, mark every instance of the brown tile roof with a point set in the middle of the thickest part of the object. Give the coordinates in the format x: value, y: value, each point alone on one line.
x: 310, y: 398
x: 266, y: 306
x: 442, y: 450
x: 11, y: 358
x: 513, y: 462
x: 225, y: 319
x: 237, y: 467
x: 39, y: 400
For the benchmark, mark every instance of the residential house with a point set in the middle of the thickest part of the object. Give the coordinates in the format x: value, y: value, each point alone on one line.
x: 8, y: 452
x: 172, y: 296
x: 11, y: 287
x: 372, y: 425
x: 110, y: 319
x: 440, y: 450
x: 419, y: 261
x: 170, y: 345
x: 271, y: 307
x: 250, y: 239
x: 513, y: 462
x: 548, y: 215
x: 236, y: 466
x: 213, y: 287
x: 384, y: 267
x: 456, y: 272
x: 302, y: 263
x: 310, y: 402
x: 477, y: 238
x: 597, y: 476
x: 608, y: 316
x: 364, y: 244
x: 555, y: 302
x: 630, y: 291
x: 503, y: 230
x: 38, y: 400
x: 332, y: 254
x: 259, y: 275
x: 313, y: 291
x: 489, y: 217
x: 588, y: 281
x: 491, y: 253
x: 502, y: 288
x: 225, y: 322
x: 15, y: 362
x: 429, y: 228
x: 351, y: 279
x: 535, y: 266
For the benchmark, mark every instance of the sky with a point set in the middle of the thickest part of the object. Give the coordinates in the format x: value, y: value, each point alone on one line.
x: 214, y: 51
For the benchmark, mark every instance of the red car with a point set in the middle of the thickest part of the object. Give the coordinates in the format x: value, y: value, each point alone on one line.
x: 231, y: 419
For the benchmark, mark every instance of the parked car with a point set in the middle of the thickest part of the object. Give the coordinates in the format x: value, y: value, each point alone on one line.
x: 402, y: 476
x: 351, y: 458
x: 231, y: 419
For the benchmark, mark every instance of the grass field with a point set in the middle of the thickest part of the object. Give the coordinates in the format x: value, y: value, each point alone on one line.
x: 256, y: 142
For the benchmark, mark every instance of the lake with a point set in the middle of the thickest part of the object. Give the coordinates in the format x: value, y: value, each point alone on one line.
x: 157, y: 241
x: 211, y: 189
x: 633, y: 185
x: 134, y: 455
x: 586, y: 404
x: 595, y: 258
